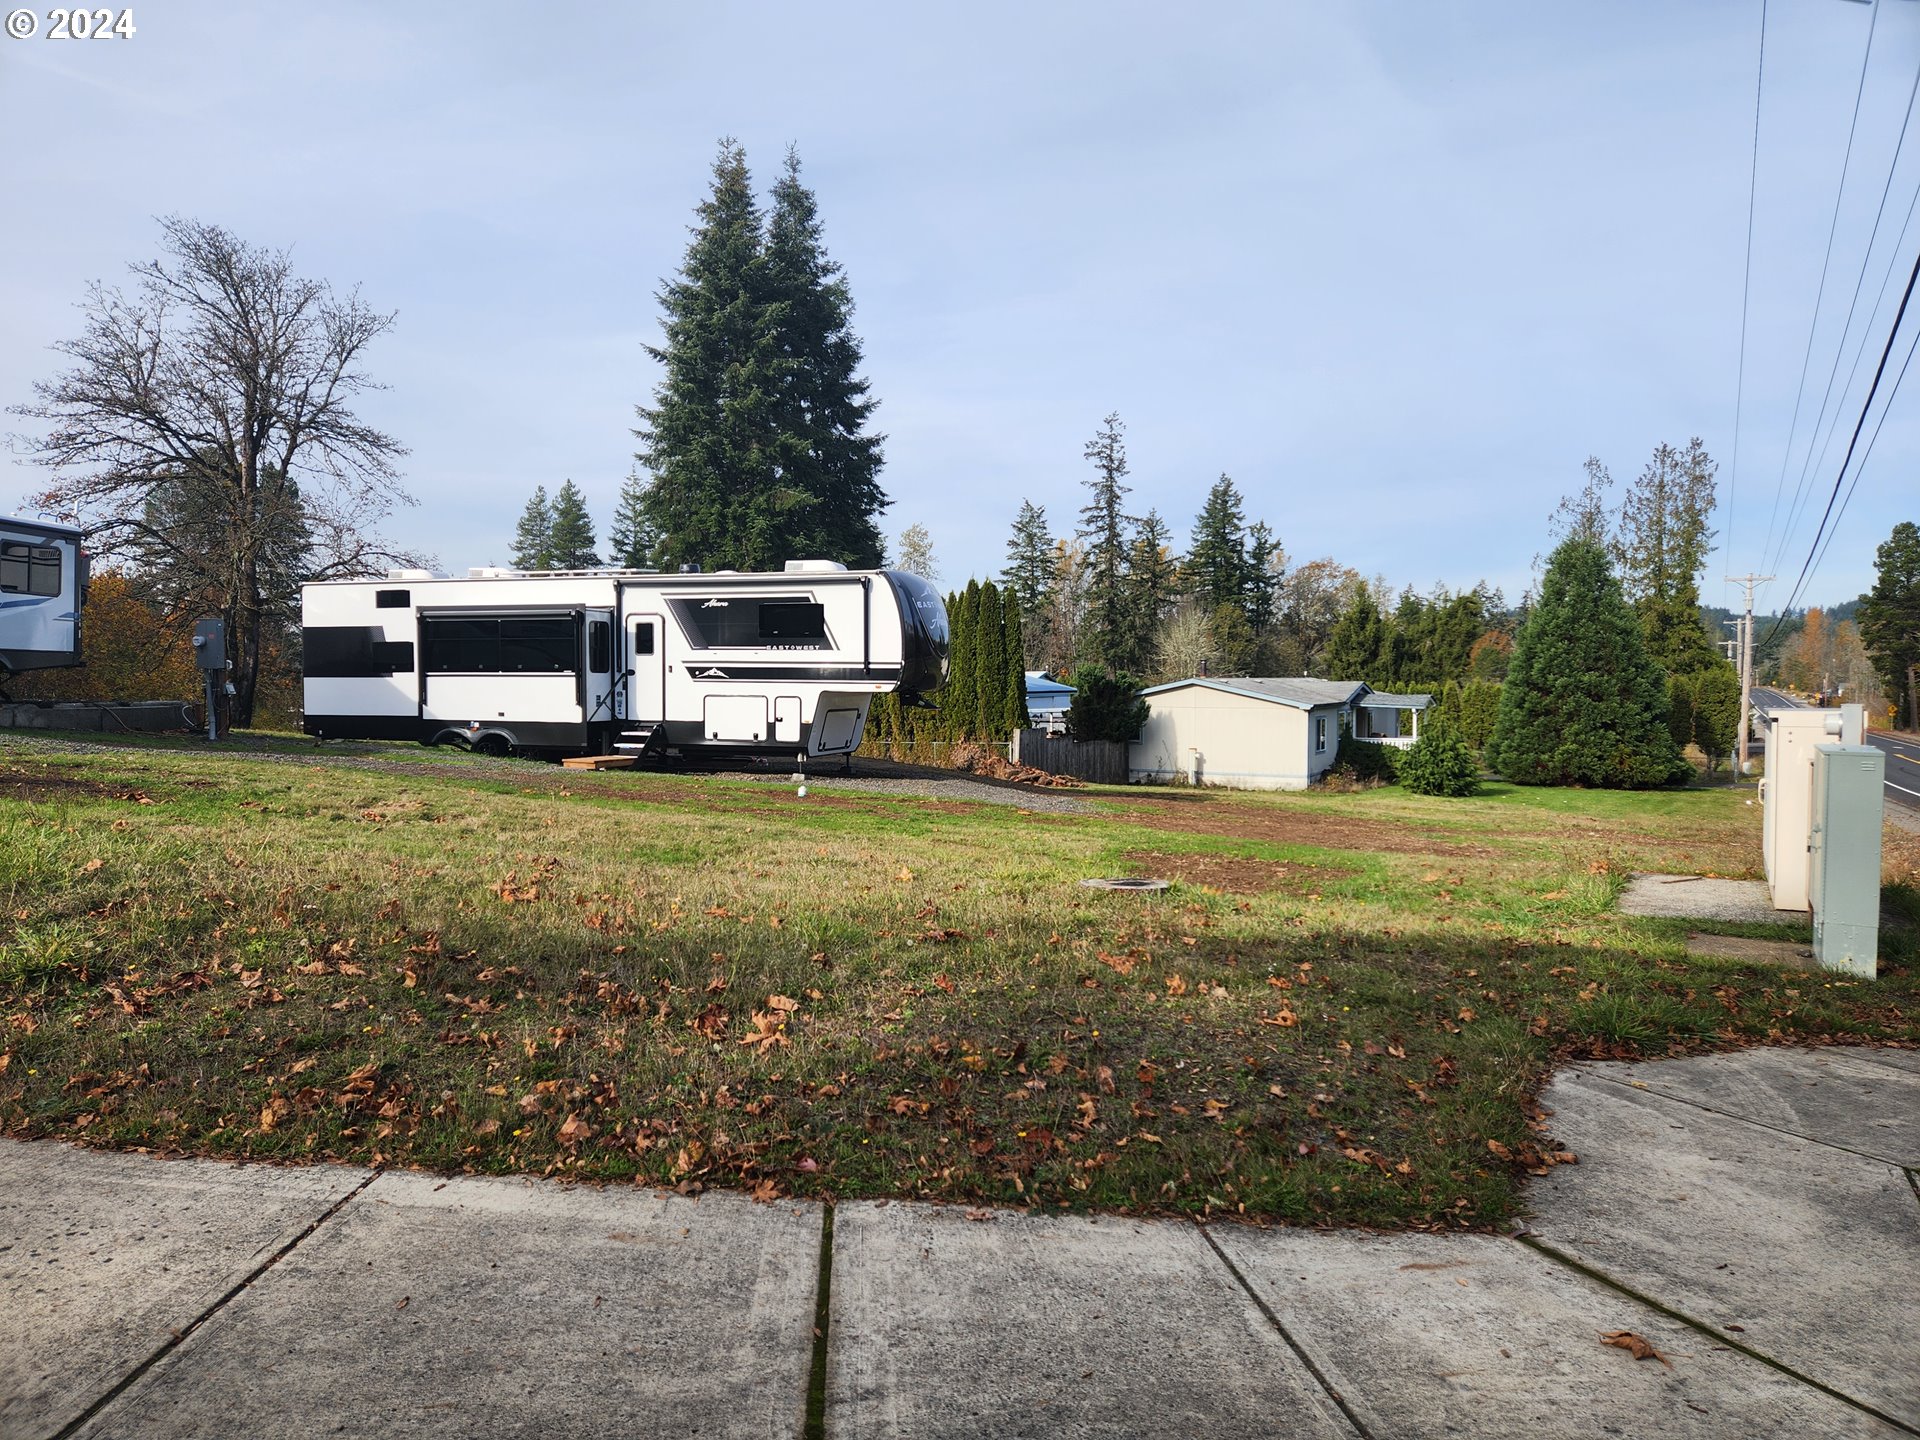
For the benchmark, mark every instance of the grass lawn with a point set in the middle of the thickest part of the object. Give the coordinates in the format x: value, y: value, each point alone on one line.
x: 1340, y: 1012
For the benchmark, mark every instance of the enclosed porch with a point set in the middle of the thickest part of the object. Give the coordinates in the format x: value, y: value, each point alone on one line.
x: 1377, y: 717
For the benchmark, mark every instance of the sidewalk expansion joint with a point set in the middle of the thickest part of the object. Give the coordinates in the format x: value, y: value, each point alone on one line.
x: 179, y: 1337
x: 816, y: 1421
x: 1719, y: 1337
x: 1646, y: 1089
x: 1320, y: 1377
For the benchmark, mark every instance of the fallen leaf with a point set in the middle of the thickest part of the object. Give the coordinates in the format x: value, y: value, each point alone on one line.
x: 1638, y: 1346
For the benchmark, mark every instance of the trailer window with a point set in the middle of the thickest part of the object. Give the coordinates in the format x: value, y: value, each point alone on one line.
x: 511, y: 644
x: 643, y: 639
x: 29, y: 569
x: 786, y: 622
x: 392, y: 599
x: 352, y: 652
x: 599, y: 647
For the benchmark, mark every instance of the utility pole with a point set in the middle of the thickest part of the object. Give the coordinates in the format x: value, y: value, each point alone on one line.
x: 1746, y: 664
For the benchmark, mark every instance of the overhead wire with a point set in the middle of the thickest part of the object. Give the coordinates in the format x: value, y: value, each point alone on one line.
x: 1813, y: 325
x: 1866, y: 259
x: 1746, y: 281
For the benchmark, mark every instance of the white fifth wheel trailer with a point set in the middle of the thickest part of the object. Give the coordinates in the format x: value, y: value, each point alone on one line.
x: 599, y: 661
x: 43, y: 585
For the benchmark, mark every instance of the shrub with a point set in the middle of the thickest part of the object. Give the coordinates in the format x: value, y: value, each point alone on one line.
x: 1363, y: 760
x: 1439, y: 763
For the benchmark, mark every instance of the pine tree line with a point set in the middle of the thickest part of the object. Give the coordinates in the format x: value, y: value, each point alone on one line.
x: 985, y: 697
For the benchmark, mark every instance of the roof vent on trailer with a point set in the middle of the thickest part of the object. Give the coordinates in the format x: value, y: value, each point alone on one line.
x: 490, y: 572
x: 415, y: 575
x: 813, y: 567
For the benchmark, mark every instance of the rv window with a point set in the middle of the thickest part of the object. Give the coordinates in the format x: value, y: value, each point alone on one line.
x: 643, y: 639
x: 29, y: 569
x: 392, y: 599
x: 462, y: 646
x: 789, y: 620
x: 352, y: 652
x: 544, y: 645
x: 744, y: 622
x: 599, y: 647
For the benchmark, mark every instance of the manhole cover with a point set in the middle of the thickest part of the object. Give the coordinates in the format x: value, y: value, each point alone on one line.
x: 1125, y: 883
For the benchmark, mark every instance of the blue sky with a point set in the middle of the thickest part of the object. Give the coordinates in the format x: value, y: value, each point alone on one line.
x: 1396, y: 268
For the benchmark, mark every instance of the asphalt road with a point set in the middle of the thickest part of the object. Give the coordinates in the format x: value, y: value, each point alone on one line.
x: 1903, y: 766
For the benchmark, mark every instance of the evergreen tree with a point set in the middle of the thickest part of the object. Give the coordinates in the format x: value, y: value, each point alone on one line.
x: 1217, y: 568
x: 1479, y: 711
x: 1232, y: 639
x: 960, y: 696
x: 1889, y: 618
x: 570, y: 536
x: 1358, y: 647
x: 1016, y: 701
x: 821, y: 405
x: 1716, y: 711
x: 1264, y: 559
x: 1662, y: 543
x: 716, y: 497
x: 1584, y: 703
x: 631, y: 537
x: 1681, y: 699
x: 1104, y: 637
x: 1152, y: 574
x: 1104, y: 707
x: 990, y: 666
x: 1030, y: 563
x: 1438, y: 763
x: 533, y: 536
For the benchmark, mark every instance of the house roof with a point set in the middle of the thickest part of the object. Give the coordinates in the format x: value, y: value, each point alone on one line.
x: 1301, y: 693
x: 1040, y: 683
x: 1388, y: 700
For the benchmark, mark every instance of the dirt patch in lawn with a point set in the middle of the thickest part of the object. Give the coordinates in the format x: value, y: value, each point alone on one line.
x: 1235, y: 874
x: 20, y: 783
x: 1289, y: 827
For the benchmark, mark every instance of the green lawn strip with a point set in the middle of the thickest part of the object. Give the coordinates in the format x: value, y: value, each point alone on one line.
x: 692, y: 981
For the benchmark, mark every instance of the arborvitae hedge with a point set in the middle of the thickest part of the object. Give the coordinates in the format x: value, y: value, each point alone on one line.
x: 1583, y: 702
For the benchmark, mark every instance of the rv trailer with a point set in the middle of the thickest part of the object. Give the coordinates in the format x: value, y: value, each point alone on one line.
x: 43, y: 585
x: 607, y: 661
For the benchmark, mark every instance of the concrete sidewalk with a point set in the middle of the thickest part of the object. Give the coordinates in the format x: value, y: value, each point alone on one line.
x: 1753, y: 1216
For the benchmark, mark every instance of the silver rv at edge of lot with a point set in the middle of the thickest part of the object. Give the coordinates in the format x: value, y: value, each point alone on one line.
x: 43, y: 586
x: 601, y: 661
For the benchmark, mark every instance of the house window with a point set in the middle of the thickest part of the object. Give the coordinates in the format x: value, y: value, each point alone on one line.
x: 1320, y: 733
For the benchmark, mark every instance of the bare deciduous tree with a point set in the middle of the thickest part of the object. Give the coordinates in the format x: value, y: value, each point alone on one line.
x: 222, y: 386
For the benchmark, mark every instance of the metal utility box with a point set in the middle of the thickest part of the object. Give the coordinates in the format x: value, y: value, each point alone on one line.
x: 210, y: 644
x: 1786, y: 795
x: 1848, y: 791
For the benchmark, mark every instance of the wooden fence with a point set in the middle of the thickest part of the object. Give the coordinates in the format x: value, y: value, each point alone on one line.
x: 1101, y: 762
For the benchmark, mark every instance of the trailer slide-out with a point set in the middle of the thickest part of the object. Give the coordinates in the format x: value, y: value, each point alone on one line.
x: 601, y: 661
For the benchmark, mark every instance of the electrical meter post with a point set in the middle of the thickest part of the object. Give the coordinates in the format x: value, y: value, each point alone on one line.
x: 210, y: 655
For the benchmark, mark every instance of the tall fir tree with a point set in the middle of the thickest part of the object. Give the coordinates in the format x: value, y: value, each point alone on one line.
x: 990, y: 666
x: 570, y: 543
x: 1661, y: 542
x: 1890, y: 619
x: 1262, y: 589
x: 1584, y: 703
x: 631, y: 540
x: 1358, y: 647
x: 1013, y: 631
x: 533, y: 536
x: 1103, y: 525
x: 1153, y: 576
x: 715, y: 496
x: 1216, y: 567
x: 1030, y: 562
x: 822, y: 405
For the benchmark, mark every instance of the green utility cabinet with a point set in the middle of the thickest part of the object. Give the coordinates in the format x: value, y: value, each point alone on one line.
x: 1848, y: 794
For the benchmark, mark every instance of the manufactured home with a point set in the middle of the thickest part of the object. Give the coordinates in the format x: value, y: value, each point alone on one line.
x: 1261, y: 733
x: 606, y: 661
x: 43, y: 586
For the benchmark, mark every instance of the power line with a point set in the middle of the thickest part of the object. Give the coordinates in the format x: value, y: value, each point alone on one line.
x: 1893, y: 393
x: 1746, y: 282
x: 1813, y: 325
x: 1806, y: 467
x: 1867, y: 405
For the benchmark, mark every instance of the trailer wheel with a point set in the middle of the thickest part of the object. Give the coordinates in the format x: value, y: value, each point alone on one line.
x: 494, y: 745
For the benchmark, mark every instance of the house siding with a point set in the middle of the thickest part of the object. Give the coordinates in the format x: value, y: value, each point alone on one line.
x: 1242, y: 742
